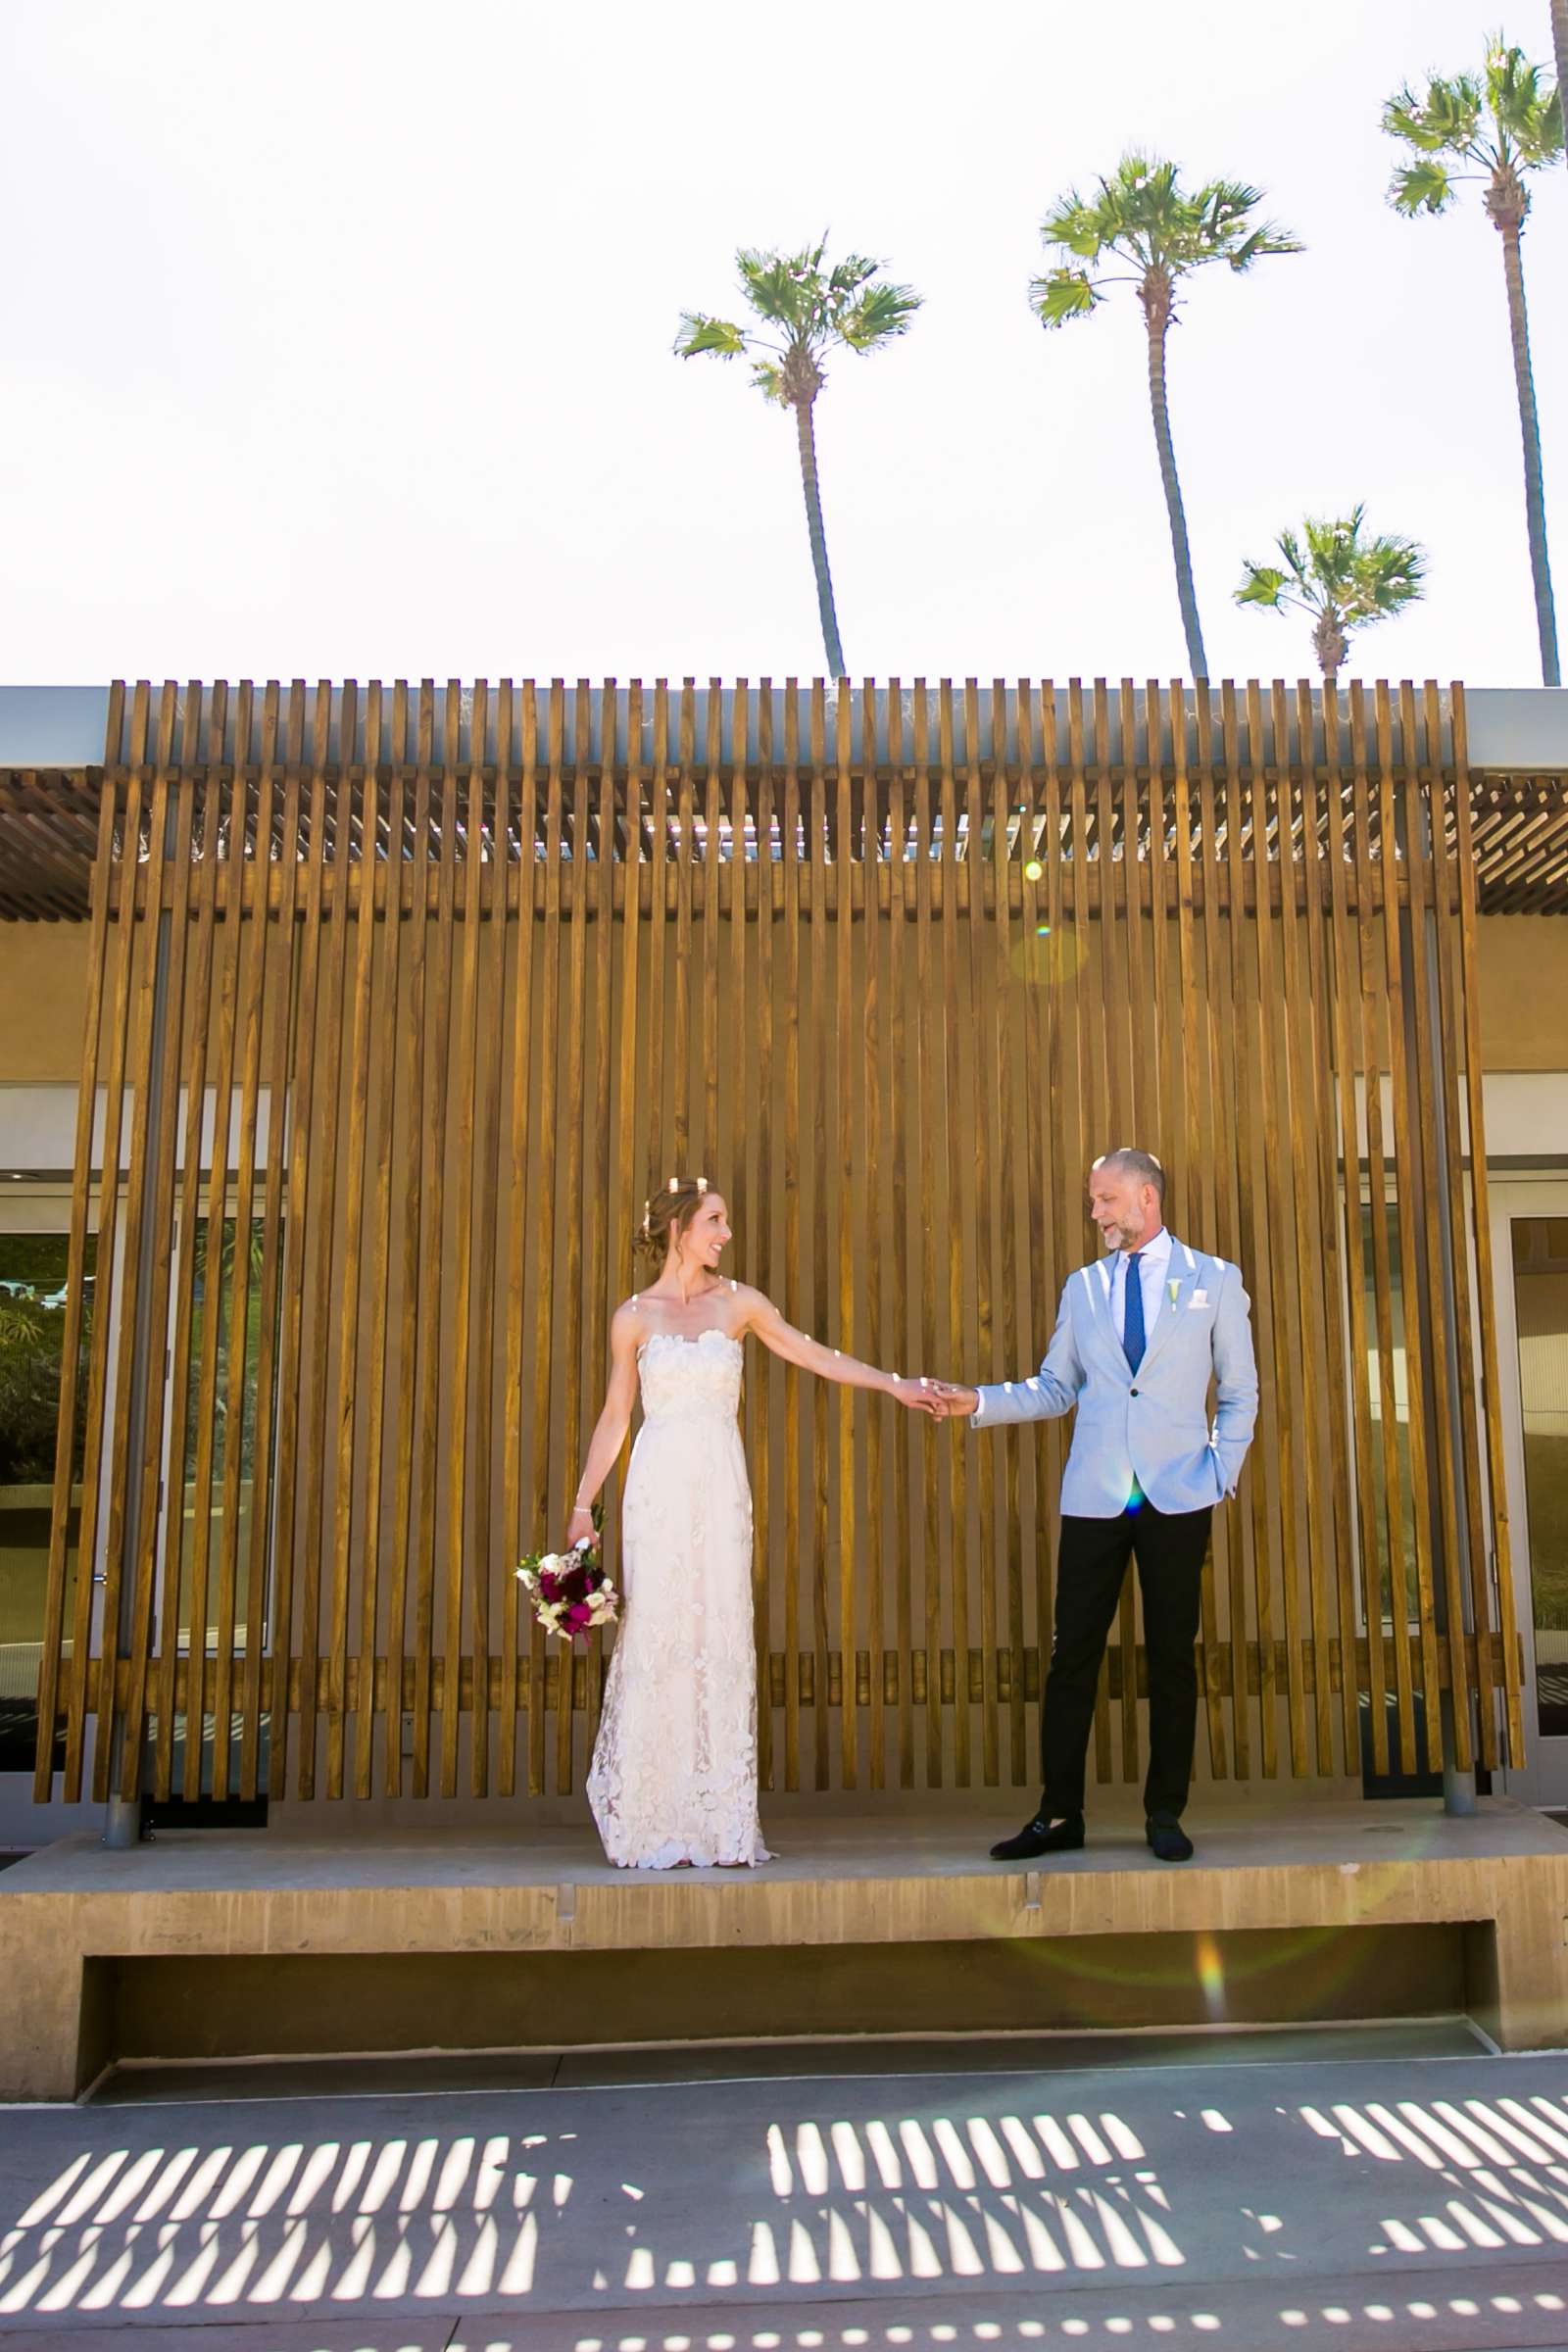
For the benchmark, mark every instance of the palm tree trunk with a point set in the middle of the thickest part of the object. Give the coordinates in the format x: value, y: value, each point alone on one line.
x: 1197, y: 660
x: 1530, y: 434
x: 818, y: 538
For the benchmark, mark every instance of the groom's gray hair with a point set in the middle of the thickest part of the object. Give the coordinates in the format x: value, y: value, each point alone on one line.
x: 1132, y: 1163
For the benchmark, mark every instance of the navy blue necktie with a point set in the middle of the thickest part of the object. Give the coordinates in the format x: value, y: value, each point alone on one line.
x: 1131, y: 1314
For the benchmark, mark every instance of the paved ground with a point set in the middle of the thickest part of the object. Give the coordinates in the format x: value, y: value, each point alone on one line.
x: 1291, y: 2190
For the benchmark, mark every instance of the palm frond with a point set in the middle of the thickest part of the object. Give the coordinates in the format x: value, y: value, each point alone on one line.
x: 1142, y: 212
x: 1446, y: 120
x: 1263, y: 584
x: 1424, y: 186
x: 1062, y: 295
x: 1332, y: 568
x: 1079, y: 228
x: 1525, y: 107
x: 700, y: 333
x: 769, y: 377
x: 880, y: 313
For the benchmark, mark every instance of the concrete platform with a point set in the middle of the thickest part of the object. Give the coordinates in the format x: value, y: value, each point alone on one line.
x: 214, y: 1946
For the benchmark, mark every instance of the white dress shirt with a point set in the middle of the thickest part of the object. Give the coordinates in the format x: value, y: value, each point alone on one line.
x: 1153, y: 1257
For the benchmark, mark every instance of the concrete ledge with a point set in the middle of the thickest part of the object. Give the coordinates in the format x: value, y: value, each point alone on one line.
x: 76, y: 1922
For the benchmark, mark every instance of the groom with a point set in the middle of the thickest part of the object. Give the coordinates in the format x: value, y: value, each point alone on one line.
x: 1137, y: 1339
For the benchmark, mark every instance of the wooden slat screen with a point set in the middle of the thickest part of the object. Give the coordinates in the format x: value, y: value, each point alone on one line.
x: 403, y: 999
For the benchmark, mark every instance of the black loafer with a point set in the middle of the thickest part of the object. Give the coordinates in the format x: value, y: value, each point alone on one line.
x: 1041, y: 1836
x: 1169, y: 1840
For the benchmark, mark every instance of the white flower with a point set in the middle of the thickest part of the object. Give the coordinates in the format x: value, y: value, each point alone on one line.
x: 606, y: 1586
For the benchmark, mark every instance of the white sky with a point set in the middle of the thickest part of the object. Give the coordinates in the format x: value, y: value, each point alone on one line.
x: 337, y: 339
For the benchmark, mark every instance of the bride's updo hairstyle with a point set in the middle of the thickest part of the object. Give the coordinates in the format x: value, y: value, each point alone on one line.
x: 669, y: 1214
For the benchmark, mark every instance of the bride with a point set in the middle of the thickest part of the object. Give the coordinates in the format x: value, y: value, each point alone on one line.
x: 673, y: 1777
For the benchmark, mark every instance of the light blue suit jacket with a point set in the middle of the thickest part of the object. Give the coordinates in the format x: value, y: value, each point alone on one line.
x: 1148, y: 1430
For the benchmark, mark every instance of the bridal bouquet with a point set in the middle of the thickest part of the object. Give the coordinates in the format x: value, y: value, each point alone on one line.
x: 568, y: 1591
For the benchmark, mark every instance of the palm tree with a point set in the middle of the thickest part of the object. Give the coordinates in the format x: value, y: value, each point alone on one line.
x: 1146, y: 217
x: 1343, y: 581
x: 1504, y: 122
x: 805, y: 311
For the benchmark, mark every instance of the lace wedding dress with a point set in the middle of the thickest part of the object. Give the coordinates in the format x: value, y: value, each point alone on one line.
x: 673, y: 1776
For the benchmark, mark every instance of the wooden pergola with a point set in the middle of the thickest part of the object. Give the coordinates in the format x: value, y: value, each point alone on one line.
x: 422, y: 991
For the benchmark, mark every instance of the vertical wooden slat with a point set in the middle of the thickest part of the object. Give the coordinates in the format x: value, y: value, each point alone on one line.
x: 930, y: 1270
x: 1093, y: 1105
x: 226, y: 952
x: 328, y: 1241
x: 1317, y: 995
x: 1013, y: 1189
x: 1382, y: 1277
x: 351, y: 1266
x: 761, y: 1387
x: 894, y: 1226
x: 1421, y: 799
x: 957, y: 1149
x: 981, y: 1118
x: 518, y: 943
x: 1129, y: 1009
x: 1491, y: 1403
x: 685, y: 836
x: 124, y: 885
x: 1346, y: 997
x: 1278, y: 1211
x: 1446, y: 1046
x: 151, y: 1340
x: 792, y: 1233
x: 572, y: 1258
x: 659, y: 881
x: 412, y: 1351
x: 820, y: 1066
x: 544, y: 1094
x: 1411, y: 1209
x: 1231, y: 1001
x: 842, y: 1216
x: 384, y: 786
x: 1293, y: 1074
x: 434, y: 1354
x: 712, y: 843
x: 600, y: 1153
x: 122, y: 1471
x: 250, y: 950
x: 625, y: 1185
x: 261, y: 1625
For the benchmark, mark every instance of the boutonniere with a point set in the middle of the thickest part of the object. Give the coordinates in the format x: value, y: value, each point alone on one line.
x: 1173, y: 1291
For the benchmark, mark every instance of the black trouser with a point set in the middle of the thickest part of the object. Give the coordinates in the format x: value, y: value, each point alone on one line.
x: 1091, y: 1565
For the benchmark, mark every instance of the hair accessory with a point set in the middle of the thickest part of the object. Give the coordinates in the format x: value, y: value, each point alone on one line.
x: 702, y: 1184
x: 674, y: 1184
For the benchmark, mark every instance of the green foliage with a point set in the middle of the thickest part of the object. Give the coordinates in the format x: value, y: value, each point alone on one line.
x: 1143, y: 217
x: 33, y: 1320
x: 808, y: 310
x: 1509, y: 116
x: 1332, y: 572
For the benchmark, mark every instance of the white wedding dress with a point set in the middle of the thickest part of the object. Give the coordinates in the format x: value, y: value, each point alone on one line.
x: 673, y: 1776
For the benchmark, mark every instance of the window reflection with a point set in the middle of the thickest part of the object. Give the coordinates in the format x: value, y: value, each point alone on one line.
x: 1541, y: 1313
x: 34, y: 1268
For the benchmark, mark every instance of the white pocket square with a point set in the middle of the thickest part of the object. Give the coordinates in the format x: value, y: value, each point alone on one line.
x: 1198, y: 1299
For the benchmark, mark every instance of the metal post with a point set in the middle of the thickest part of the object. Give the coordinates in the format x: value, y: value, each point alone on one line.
x: 122, y: 1814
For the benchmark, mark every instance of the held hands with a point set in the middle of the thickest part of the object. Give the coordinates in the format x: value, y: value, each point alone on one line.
x: 580, y: 1524
x: 938, y: 1397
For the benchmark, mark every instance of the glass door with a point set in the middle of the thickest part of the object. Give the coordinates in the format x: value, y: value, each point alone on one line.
x: 1530, y: 1243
